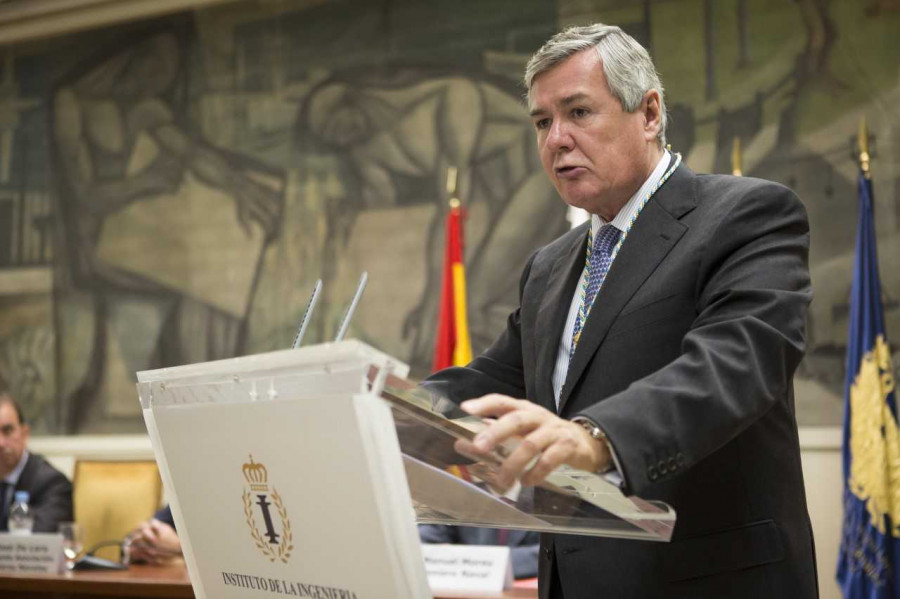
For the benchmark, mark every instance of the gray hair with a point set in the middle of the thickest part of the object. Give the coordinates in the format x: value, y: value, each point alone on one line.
x: 629, y: 71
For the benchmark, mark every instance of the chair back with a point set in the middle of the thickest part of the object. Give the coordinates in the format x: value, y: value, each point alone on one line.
x: 112, y: 497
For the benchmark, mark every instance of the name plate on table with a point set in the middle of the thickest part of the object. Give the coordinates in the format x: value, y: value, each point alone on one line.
x: 40, y: 553
x: 467, y: 569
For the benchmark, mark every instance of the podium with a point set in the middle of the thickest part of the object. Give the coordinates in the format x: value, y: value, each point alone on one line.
x: 303, y: 473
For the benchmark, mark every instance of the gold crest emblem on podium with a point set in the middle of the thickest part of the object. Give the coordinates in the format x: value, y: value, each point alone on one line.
x: 259, y: 500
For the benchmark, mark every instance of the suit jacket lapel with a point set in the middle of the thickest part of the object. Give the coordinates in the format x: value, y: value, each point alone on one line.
x: 654, y: 234
x: 553, y: 311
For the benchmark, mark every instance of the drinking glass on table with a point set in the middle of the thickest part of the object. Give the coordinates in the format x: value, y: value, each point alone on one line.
x: 73, y: 540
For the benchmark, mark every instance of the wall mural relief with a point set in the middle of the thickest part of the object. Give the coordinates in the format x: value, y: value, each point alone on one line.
x: 170, y: 190
x: 163, y: 231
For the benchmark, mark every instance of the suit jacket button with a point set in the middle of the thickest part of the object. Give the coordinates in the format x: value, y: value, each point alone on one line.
x: 679, y: 457
x: 662, y: 467
x: 673, y: 465
x: 651, y: 473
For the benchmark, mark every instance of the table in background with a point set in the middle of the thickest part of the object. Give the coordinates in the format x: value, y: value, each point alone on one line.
x: 138, y: 582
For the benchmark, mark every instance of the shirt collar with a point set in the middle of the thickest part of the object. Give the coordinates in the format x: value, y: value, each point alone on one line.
x: 631, y: 207
x: 13, y: 477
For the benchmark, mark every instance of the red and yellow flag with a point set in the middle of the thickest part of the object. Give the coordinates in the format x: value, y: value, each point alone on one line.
x: 452, y: 346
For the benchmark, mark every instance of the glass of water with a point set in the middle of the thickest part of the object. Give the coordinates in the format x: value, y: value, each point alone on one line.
x: 73, y: 540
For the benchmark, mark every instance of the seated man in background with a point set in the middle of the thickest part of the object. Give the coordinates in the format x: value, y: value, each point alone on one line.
x: 155, y: 541
x: 523, y: 544
x: 50, y: 492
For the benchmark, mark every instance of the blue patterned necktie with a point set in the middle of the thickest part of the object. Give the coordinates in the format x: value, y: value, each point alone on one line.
x: 598, y: 265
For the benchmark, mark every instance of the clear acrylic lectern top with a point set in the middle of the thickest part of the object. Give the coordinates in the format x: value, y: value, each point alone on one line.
x: 446, y: 487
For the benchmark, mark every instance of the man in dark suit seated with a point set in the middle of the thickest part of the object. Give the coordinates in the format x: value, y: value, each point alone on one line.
x: 655, y: 344
x: 523, y: 544
x: 50, y: 492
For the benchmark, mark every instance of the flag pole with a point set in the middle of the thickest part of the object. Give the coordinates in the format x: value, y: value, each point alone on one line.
x: 451, y: 186
x: 864, y: 157
x: 736, y: 166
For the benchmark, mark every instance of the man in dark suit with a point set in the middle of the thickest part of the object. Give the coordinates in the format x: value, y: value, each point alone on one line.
x: 655, y: 344
x: 50, y: 492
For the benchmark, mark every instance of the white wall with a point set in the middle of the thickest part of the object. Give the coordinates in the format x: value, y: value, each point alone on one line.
x: 820, y: 448
x: 62, y: 452
x: 821, y: 455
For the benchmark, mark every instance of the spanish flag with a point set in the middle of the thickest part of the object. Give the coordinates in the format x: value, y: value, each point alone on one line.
x: 452, y: 346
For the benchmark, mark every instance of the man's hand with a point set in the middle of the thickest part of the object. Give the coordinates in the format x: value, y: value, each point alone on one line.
x: 154, y: 542
x: 547, y: 440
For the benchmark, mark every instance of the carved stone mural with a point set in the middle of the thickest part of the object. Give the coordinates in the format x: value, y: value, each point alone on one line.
x: 170, y: 190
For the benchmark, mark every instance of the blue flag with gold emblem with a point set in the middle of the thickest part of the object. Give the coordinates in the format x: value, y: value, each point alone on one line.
x: 868, y: 566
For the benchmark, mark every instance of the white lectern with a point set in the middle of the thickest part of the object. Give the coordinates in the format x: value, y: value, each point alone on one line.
x: 285, y: 475
x: 302, y: 473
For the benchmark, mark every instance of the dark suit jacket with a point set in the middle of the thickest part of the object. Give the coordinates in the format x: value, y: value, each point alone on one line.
x: 164, y: 515
x: 523, y: 544
x: 50, y: 494
x: 686, y: 362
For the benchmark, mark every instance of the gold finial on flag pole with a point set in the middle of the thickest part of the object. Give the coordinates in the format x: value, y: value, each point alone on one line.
x: 736, y: 166
x: 451, y: 186
x: 864, y: 148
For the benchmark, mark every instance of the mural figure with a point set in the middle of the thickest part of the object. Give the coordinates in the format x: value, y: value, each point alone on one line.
x: 163, y: 232
x: 397, y: 135
x: 26, y: 359
x: 821, y: 33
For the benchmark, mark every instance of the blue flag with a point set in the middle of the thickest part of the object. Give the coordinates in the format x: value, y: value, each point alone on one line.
x: 869, y: 560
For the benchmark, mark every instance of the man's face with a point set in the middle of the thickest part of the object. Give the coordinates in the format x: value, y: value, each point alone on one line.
x: 13, y: 438
x: 596, y: 154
